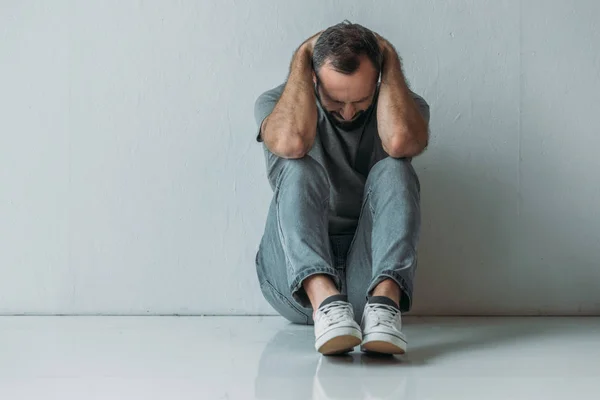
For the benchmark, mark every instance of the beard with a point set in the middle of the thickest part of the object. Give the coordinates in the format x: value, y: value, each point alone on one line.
x: 359, y: 119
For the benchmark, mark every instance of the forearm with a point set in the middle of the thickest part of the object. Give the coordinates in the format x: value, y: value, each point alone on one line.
x: 289, y: 131
x: 403, y: 131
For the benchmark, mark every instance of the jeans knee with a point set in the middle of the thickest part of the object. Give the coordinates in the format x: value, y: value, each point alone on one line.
x: 305, y: 170
x: 391, y: 171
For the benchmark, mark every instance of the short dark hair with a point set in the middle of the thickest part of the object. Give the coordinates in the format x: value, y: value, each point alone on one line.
x: 342, y: 44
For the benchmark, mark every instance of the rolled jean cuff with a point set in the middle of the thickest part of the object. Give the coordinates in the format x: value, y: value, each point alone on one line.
x: 405, y: 287
x: 299, y: 294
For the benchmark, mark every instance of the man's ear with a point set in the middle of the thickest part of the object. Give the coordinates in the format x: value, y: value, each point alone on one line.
x: 314, y: 76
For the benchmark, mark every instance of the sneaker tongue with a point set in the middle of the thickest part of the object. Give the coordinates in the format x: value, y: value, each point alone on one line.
x: 383, y: 300
x: 335, y: 297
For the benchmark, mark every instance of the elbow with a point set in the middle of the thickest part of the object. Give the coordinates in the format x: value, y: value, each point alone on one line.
x: 292, y: 152
x: 290, y: 147
x: 404, y: 146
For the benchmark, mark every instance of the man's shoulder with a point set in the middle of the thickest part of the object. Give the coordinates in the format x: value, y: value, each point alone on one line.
x: 272, y: 94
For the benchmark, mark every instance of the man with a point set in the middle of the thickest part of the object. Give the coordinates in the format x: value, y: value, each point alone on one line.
x: 342, y: 230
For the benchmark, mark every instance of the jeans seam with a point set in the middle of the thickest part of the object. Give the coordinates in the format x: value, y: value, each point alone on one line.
x: 368, y: 199
x: 280, y: 230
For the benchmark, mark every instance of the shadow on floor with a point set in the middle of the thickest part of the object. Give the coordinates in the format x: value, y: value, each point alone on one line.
x: 434, y: 338
x: 290, y: 368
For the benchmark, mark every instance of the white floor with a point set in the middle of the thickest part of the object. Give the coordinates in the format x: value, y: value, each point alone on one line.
x: 267, y: 358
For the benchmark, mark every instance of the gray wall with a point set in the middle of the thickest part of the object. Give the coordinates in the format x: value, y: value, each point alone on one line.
x: 130, y: 181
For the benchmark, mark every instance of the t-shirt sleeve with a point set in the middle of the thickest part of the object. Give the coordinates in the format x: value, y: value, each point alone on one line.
x: 423, y: 106
x: 264, y: 105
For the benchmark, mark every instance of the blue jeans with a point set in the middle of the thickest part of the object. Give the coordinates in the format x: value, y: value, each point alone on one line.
x: 296, y: 243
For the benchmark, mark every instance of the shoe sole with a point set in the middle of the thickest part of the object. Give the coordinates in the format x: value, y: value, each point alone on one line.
x: 383, y: 343
x: 338, y: 341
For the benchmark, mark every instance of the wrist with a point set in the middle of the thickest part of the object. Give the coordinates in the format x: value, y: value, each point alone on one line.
x: 305, y: 49
x: 309, y: 44
x: 391, y: 60
x: 385, y: 46
x: 388, y: 51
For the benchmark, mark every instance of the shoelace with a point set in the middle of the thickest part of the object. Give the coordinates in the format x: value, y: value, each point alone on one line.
x: 384, y: 314
x: 336, y: 311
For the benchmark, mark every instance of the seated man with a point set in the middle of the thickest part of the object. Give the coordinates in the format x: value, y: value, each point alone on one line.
x: 341, y: 234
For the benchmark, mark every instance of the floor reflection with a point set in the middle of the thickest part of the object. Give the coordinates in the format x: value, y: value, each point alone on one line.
x: 289, y: 368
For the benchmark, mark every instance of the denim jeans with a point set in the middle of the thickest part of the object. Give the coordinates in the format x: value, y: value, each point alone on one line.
x: 296, y: 243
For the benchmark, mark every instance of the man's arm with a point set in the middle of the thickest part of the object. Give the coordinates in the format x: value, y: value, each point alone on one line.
x: 403, y: 131
x: 289, y: 131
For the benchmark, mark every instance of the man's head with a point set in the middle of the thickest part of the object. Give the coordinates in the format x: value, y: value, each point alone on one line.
x: 347, y: 62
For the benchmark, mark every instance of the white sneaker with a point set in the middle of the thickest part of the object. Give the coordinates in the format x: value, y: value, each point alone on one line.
x: 336, y: 332
x: 382, y: 327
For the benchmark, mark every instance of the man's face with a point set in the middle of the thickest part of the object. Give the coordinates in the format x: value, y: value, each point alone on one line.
x: 346, y: 97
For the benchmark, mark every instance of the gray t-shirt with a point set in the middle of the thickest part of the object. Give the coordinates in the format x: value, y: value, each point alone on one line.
x: 347, y: 156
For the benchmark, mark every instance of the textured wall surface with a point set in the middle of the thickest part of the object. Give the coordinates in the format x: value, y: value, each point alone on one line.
x: 130, y: 181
